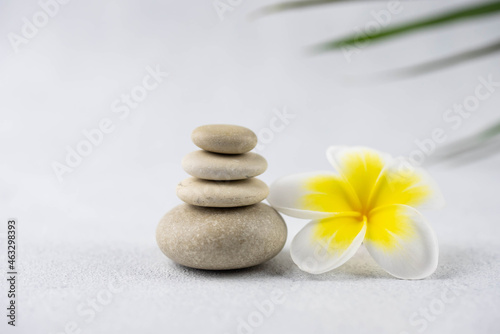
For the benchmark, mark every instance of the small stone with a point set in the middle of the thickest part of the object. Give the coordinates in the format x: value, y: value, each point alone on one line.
x: 223, y: 138
x: 214, y: 166
x: 221, y: 239
x: 222, y: 194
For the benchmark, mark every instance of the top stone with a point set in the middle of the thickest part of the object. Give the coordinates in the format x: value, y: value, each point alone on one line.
x: 223, y: 138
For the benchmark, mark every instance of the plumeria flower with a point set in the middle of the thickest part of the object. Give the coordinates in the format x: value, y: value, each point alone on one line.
x: 370, y: 200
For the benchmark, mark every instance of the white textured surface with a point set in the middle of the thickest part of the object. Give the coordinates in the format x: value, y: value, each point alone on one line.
x: 158, y: 296
x: 97, y: 226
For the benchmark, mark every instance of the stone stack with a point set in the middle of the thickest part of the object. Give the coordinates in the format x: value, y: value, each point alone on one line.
x: 223, y: 225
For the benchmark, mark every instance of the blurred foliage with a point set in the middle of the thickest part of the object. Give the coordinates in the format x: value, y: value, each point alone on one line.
x: 425, y: 23
x: 435, y: 65
x: 479, y: 145
x: 472, y: 148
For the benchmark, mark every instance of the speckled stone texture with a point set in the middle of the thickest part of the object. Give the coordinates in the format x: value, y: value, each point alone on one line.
x: 212, y: 238
x: 213, y: 166
x: 224, y: 138
x: 223, y: 225
x: 222, y: 194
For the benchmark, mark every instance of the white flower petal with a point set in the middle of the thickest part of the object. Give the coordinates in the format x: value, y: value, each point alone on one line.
x: 311, y: 195
x: 323, y: 245
x: 401, y: 242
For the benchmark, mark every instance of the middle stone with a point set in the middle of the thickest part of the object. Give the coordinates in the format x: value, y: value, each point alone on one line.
x: 214, y: 166
x: 222, y: 194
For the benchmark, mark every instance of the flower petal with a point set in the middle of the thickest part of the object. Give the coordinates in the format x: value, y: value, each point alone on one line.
x: 403, y: 183
x: 323, y: 245
x: 360, y: 166
x: 401, y: 242
x: 311, y: 195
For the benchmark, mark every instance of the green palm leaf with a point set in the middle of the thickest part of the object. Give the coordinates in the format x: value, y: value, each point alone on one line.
x: 457, y: 15
x: 434, y: 65
x: 475, y: 147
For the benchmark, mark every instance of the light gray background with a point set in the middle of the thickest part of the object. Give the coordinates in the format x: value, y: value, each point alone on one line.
x: 96, y: 228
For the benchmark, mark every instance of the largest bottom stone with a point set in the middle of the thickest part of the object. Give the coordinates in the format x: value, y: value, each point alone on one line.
x: 221, y: 238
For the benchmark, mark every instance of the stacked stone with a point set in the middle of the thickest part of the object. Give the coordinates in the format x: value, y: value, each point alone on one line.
x: 223, y: 225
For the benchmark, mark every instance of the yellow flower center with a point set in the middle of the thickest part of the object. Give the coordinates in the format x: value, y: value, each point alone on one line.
x: 361, y: 190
